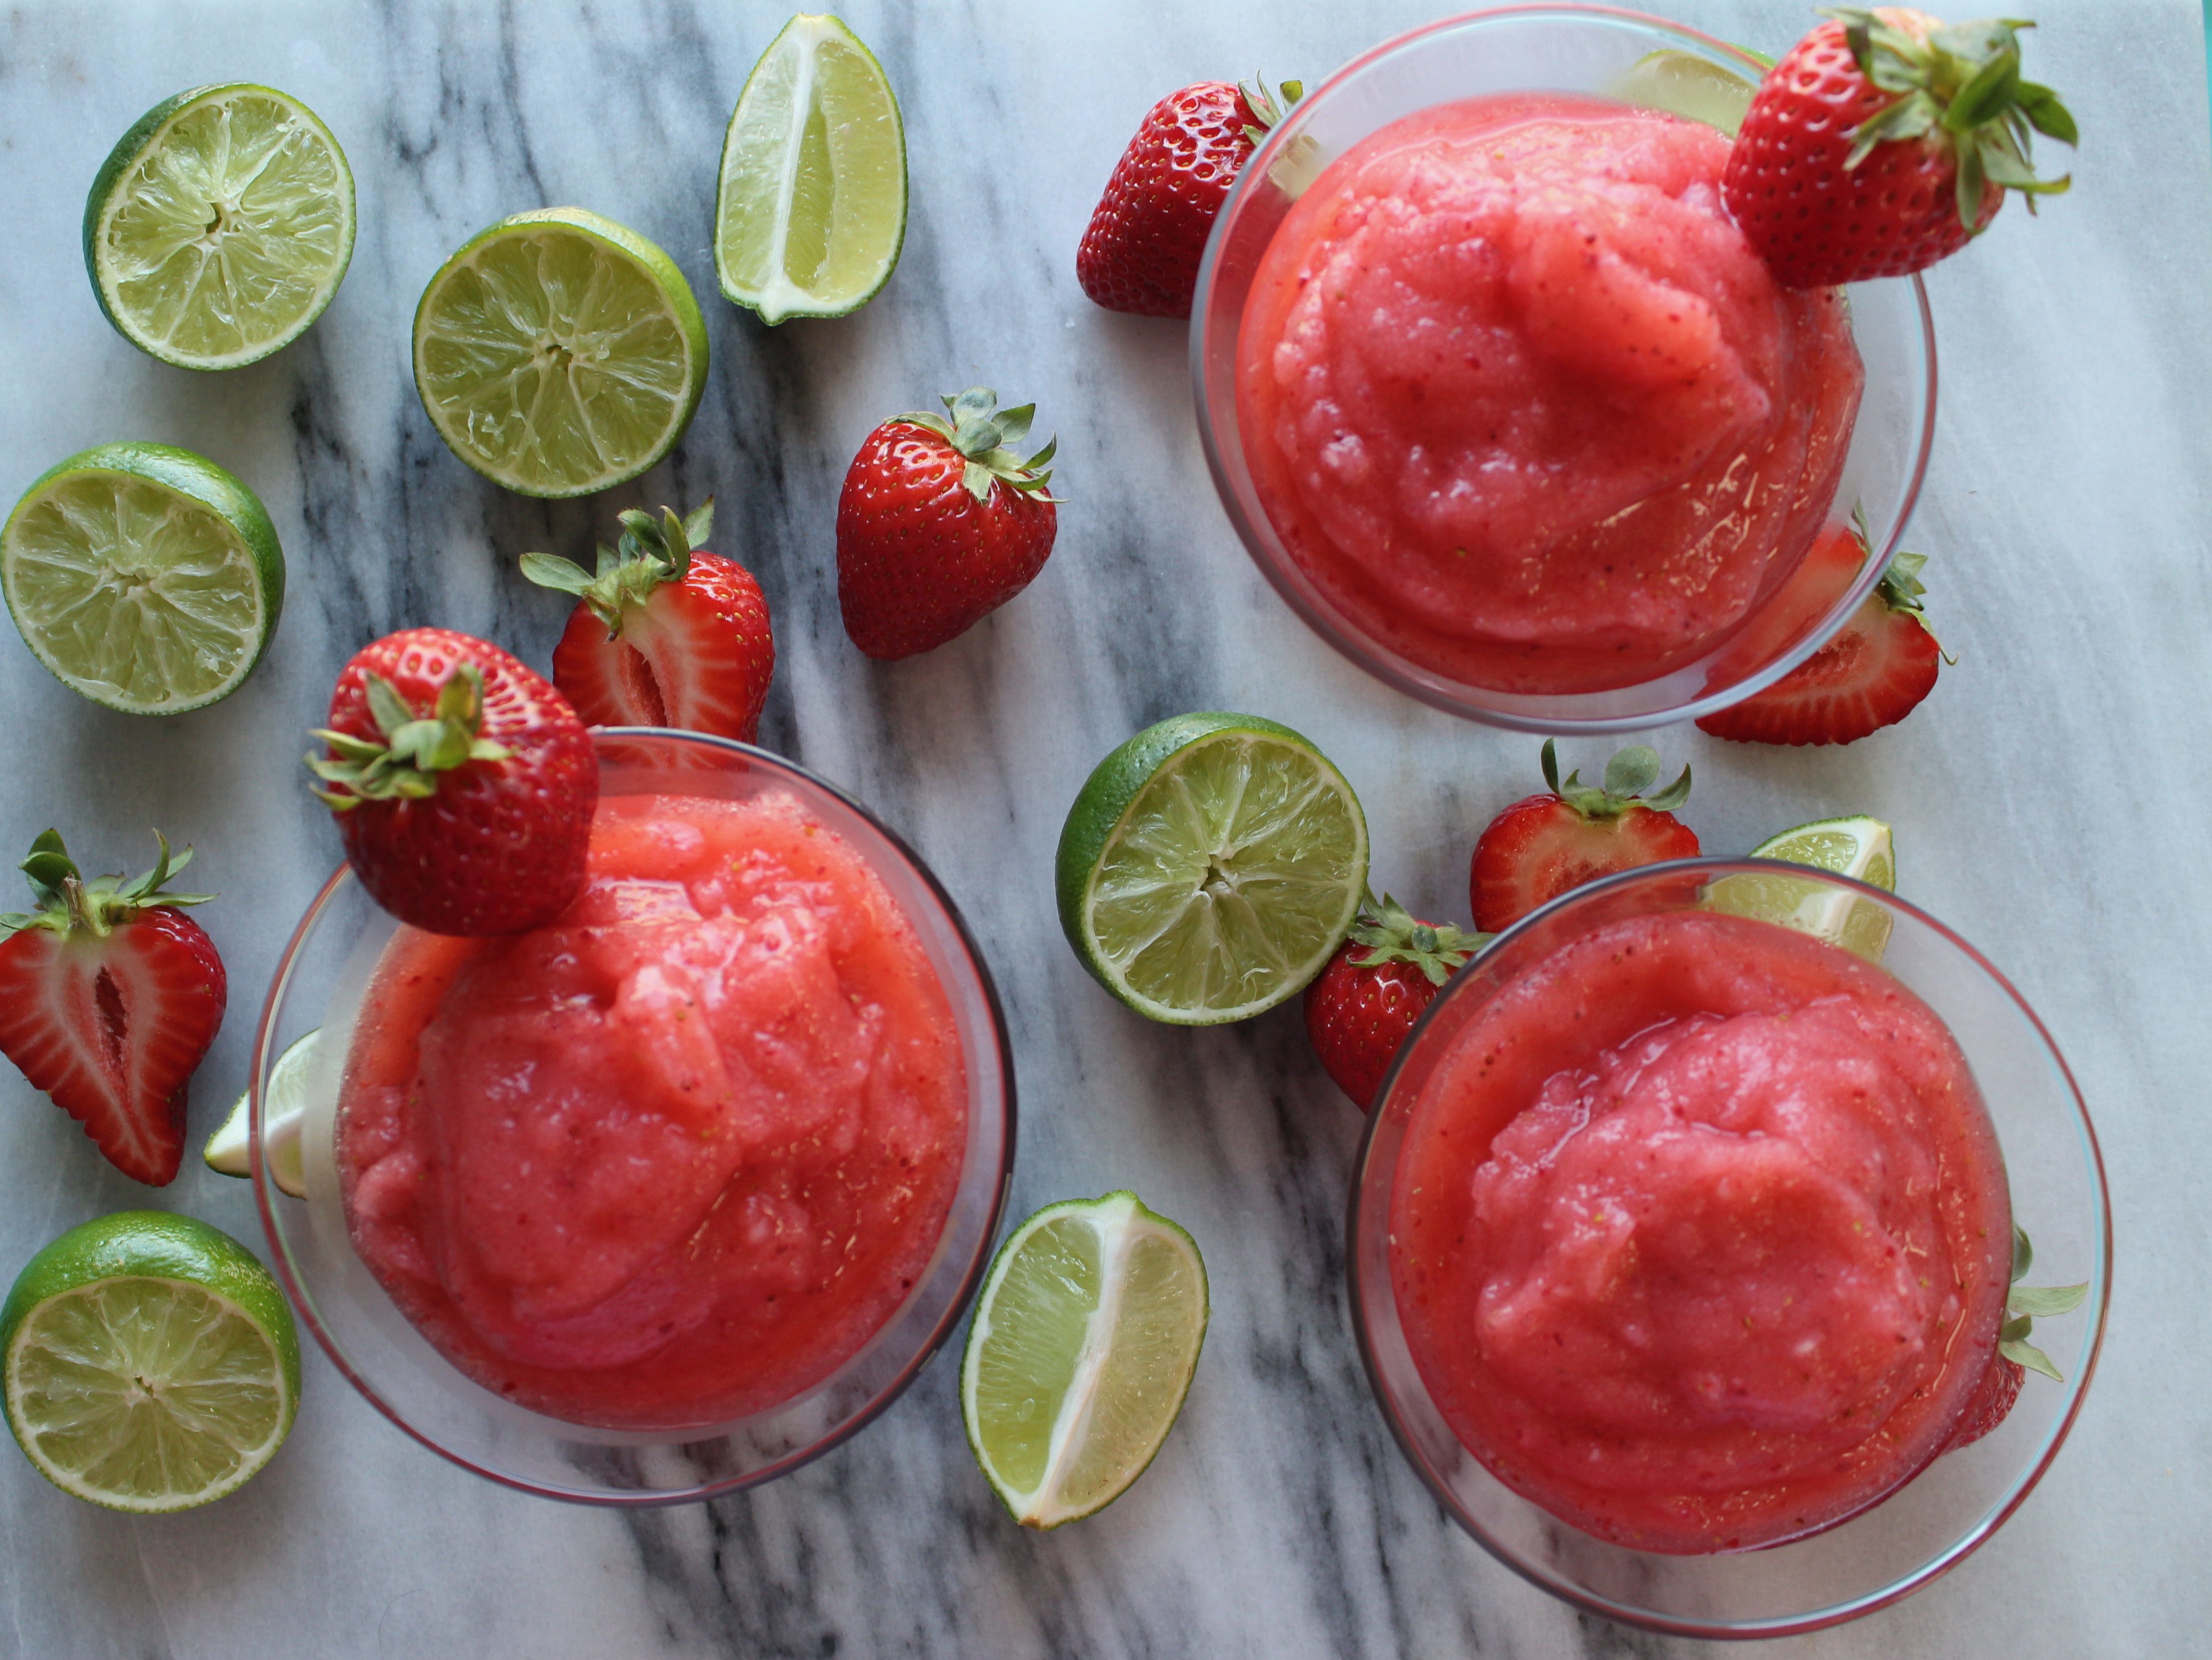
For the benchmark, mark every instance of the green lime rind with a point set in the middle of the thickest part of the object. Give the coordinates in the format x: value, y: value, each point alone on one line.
x: 760, y: 223
x: 107, y: 198
x: 443, y: 362
x: 1053, y: 1344
x: 71, y: 609
x: 1115, y: 807
x: 144, y: 1345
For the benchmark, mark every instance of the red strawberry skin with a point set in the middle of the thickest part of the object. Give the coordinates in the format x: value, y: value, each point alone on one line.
x: 920, y: 559
x: 1147, y: 233
x: 1873, y: 674
x: 1358, y: 1016
x: 499, y: 848
x: 1815, y: 222
x: 1541, y: 847
x: 697, y: 655
x: 111, y: 1027
x: 1990, y: 1403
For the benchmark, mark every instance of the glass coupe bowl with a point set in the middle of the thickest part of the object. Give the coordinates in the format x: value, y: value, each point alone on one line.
x: 1922, y: 1529
x: 319, y: 983
x: 1573, y: 49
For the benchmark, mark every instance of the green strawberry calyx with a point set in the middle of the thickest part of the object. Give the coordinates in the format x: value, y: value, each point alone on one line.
x: 1629, y: 777
x: 648, y: 555
x: 414, y: 749
x: 985, y: 436
x: 2024, y: 1303
x: 1391, y: 934
x: 1900, y: 587
x: 1268, y: 108
x: 68, y: 903
x: 1959, y: 86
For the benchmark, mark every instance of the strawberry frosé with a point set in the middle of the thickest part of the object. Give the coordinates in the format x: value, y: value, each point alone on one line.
x: 675, y: 1158
x: 1701, y: 1236
x: 1524, y: 405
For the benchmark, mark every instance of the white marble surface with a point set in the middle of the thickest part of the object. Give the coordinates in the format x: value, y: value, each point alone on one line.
x: 2050, y: 801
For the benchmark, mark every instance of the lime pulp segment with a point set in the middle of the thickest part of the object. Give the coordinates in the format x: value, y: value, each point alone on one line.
x: 221, y: 226
x: 810, y: 211
x: 227, y: 1152
x: 1860, y: 847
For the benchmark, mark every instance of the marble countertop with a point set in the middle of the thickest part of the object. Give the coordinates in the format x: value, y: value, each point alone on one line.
x: 2051, y: 801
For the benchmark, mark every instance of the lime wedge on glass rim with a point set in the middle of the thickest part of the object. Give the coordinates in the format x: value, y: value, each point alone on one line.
x: 1858, y: 847
x: 1684, y: 83
x: 1085, y: 1337
x: 1210, y: 867
x: 150, y: 1363
x: 144, y: 577
x: 559, y: 353
x: 810, y: 211
x: 227, y: 1152
x: 220, y: 225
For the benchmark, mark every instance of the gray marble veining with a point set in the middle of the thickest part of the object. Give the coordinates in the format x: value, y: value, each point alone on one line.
x: 2050, y: 801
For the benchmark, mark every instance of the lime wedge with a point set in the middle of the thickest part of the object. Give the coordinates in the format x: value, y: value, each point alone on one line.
x: 1683, y: 83
x: 1209, y: 868
x: 1857, y: 848
x: 558, y: 353
x: 227, y: 1152
x: 810, y: 210
x: 220, y: 225
x: 147, y: 578
x: 150, y: 1362
x: 1081, y: 1349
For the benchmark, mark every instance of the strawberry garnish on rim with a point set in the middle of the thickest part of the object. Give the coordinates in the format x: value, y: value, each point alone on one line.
x: 1884, y: 141
x: 2015, y: 1357
x: 1543, y: 846
x: 665, y: 633
x: 109, y: 997
x: 1361, y: 1007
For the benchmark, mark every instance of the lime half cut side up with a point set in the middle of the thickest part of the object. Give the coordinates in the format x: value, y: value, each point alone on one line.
x: 220, y: 225
x: 1084, y: 1340
x: 144, y: 577
x: 559, y: 353
x: 228, y: 1151
x: 1858, y: 847
x: 809, y: 211
x: 151, y: 1364
x: 1210, y: 866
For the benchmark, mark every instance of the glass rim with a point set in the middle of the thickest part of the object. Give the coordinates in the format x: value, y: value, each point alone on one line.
x: 265, y: 1049
x: 1401, y: 674
x: 1835, y: 1613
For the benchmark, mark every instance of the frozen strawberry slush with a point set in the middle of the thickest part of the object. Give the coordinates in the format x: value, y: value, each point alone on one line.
x: 674, y: 1159
x: 1521, y: 402
x: 1701, y: 1233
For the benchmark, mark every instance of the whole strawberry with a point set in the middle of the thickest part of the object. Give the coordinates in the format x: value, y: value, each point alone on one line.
x: 1882, y: 142
x: 109, y: 997
x: 665, y: 633
x: 1543, y: 846
x: 1147, y: 233
x: 463, y: 784
x: 1874, y: 673
x: 939, y: 523
x: 1361, y: 1005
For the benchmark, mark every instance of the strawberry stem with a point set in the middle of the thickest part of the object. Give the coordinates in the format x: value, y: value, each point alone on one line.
x: 69, y: 903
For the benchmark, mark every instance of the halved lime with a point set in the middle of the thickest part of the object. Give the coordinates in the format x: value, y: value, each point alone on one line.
x: 228, y: 1151
x: 146, y: 577
x: 1210, y: 866
x: 151, y: 1363
x: 1684, y: 83
x: 1081, y: 1349
x: 1857, y: 848
x: 558, y: 353
x: 810, y: 210
x: 220, y: 225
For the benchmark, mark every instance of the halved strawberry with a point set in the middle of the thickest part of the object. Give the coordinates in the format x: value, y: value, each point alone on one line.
x: 1360, y: 1008
x: 2015, y: 1357
x: 1873, y: 674
x: 1543, y: 846
x: 667, y: 634
x: 109, y: 997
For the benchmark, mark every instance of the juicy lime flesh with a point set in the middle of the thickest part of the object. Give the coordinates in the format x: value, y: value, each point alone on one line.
x: 227, y: 1152
x: 1041, y: 1313
x: 1857, y: 848
x: 553, y: 361
x: 148, y: 1393
x: 1146, y: 1373
x: 229, y: 231
x: 1683, y: 83
x: 137, y: 596
x: 812, y: 205
x: 1229, y: 878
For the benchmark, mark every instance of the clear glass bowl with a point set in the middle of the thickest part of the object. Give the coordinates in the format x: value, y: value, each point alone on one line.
x: 319, y: 983
x: 1554, y: 48
x: 1921, y: 1530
